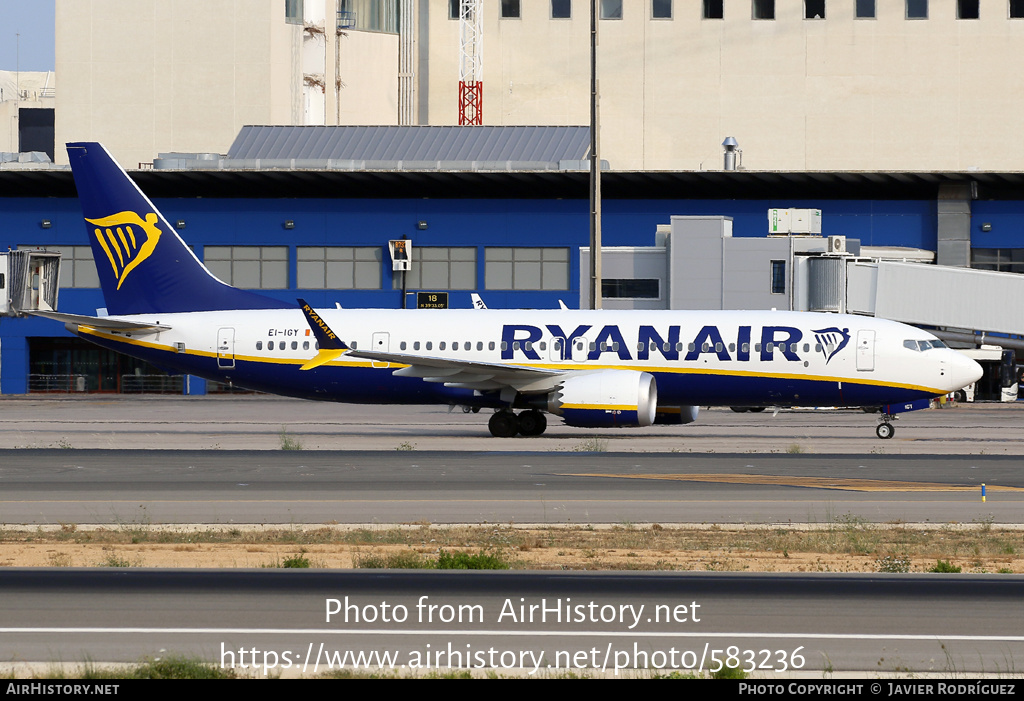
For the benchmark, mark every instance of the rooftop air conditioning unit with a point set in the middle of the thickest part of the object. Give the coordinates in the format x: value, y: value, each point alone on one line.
x: 837, y: 244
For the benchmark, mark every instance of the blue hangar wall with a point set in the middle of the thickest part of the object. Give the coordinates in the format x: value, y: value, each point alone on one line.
x: 478, y: 223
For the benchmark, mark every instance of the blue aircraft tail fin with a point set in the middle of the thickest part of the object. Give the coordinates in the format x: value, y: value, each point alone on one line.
x: 144, y: 267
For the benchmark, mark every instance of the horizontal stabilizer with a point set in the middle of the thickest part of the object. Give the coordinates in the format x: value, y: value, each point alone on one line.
x: 103, y: 322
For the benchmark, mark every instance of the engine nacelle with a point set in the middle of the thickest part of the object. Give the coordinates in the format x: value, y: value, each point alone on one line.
x: 608, y: 398
x: 676, y: 415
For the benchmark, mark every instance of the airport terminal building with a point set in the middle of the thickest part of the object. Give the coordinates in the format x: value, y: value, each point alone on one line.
x: 900, y: 125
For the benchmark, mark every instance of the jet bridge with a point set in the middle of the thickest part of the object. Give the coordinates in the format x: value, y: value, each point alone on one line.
x: 937, y: 296
x: 28, y: 281
x: 961, y: 305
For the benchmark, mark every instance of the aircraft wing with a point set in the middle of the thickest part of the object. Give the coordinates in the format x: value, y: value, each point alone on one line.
x: 453, y: 372
x: 102, y: 322
x: 468, y: 374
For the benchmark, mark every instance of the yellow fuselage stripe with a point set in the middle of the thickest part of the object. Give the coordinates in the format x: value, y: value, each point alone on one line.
x: 88, y: 330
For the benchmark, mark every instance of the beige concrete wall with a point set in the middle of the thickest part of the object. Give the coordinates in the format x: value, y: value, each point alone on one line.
x: 368, y: 63
x: 838, y: 93
x: 152, y: 76
x: 9, y: 137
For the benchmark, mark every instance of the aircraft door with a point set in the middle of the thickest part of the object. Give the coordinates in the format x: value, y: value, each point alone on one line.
x: 226, y: 348
x: 866, y: 350
x: 380, y: 343
x: 557, y: 353
x: 579, y: 348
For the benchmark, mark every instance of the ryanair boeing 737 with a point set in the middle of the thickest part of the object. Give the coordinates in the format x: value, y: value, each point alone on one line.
x: 589, y: 368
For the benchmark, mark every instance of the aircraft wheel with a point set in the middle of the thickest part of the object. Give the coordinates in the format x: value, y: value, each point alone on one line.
x: 756, y: 409
x: 885, y: 431
x: 739, y: 409
x: 532, y: 423
x: 504, y: 424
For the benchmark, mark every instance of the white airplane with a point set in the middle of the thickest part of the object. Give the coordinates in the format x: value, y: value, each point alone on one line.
x: 590, y: 368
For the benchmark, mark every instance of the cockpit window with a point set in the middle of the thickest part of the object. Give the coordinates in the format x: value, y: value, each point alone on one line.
x: 921, y: 346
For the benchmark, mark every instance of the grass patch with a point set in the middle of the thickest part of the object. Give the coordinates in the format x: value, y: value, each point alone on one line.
x: 115, y: 560
x: 289, y: 443
x: 946, y: 567
x: 446, y: 560
x: 407, y: 560
x: 591, y: 445
x: 464, y: 561
x: 180, y: 668
x: 173, y: 667
x: 294, y: 562
x: 727, y: 672
x: 845, y: 543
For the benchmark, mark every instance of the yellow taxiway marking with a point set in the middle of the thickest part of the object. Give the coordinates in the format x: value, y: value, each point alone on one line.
x: 855, y: 485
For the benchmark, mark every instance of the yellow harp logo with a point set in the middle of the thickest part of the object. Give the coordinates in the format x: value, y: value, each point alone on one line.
x: 127, y: 240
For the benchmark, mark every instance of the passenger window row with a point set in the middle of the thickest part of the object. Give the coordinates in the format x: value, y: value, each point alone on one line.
x: 283, y: 345
x: 605, y: 347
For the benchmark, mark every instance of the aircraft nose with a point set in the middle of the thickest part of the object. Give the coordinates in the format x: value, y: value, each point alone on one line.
x: 962, y: 371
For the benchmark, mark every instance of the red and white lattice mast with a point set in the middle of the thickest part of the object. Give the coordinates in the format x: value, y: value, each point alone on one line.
x: 471, y: 66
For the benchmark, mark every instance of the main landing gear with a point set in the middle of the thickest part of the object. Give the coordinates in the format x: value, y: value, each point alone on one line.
x: 885, y: 429
x: 505, y: 424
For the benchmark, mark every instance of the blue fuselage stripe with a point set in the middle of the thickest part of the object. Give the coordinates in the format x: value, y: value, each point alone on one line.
x: 373, y: 385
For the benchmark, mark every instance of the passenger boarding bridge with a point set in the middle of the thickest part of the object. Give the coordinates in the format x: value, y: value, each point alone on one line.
x: 696, y: 263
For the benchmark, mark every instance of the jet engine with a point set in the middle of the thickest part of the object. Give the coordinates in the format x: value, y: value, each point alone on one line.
x: 608, y: 398
x: 676, y: 415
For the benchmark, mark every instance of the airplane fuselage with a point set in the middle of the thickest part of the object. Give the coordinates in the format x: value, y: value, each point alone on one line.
x: 704, y: 358
x: 590, y: 368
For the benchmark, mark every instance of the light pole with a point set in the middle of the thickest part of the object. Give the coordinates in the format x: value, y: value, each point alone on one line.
x: 595, y: 167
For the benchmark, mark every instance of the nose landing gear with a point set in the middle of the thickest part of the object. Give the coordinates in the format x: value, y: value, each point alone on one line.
x: 885, y: 429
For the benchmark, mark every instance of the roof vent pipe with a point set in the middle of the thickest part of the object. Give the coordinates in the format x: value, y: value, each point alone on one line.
x: 731, y: 152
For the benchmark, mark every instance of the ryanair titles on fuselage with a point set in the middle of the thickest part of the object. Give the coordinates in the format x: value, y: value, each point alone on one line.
x: 522, y: 339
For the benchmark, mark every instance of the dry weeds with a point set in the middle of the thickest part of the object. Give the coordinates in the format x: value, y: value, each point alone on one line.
x: 844, y: 545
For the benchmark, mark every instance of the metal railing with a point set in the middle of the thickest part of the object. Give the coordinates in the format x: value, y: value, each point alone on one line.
x: 129, y: 384
x: 152, y: 384
x: 39, y: 382
x: 346, y: 19
x: 213, y: 387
